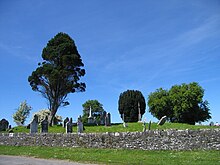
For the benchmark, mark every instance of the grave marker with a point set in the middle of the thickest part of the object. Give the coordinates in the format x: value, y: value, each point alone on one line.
x: 44, y: 125
x: 90, y: 118
x: 65, y: 121
x: 108, y: 119
x: 79, y: 125
x: 69, y: 126
x: 162, y: 120
x: 34, y: 125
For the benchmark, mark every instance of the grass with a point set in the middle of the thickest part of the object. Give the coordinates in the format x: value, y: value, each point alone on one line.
x: 114, y: 156
x: 132, y: 127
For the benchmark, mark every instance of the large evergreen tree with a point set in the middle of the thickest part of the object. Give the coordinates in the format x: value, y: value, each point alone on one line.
x: 128, y: 105
x: 182, y: 103
x: 59, y: 73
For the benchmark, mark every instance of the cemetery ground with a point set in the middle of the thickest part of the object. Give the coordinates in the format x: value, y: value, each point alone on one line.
x: 132, y: 127
x: 117, y: 156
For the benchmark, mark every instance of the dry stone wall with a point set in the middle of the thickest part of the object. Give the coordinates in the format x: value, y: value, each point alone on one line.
x: 149, y: 140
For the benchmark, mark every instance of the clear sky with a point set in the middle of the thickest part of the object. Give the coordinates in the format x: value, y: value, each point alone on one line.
x: 125, y: 44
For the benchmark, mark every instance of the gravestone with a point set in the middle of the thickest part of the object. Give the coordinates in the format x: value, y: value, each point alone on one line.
x: 90, y: 118
x: 108, y: 119
x: 28, y: 126
x: 149, y: 126
x: 4, y: 125
x: 44, y: 125
x: 69, y: 126
x: 162, y: 120
x: 34, y: 125
x: 65, y: 121
x: 123, y: 118
x: 79, y: 125
x: 139, y: 112
x: 102, y: 118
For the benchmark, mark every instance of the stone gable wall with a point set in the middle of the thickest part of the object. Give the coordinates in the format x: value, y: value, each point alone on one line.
x: 150, y: 140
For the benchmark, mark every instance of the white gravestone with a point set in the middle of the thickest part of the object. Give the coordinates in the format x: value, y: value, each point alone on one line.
x: 162, y: 120
x: 90, y: 118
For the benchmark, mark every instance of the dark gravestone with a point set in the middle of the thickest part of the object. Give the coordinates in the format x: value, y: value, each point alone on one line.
x: 162, y: 120
x: 65, y: 121
x: 44, y: 125
x: 34, y: 125
x: 28, y: 126
x: 69, y: 126
x: 108, y: 119
x: 4, y: 125
x: 149, y: 125
x: 102, y: 118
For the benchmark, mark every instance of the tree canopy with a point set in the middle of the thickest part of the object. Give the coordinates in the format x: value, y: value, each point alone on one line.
x: 182, y: 103
x: 128, y: 105
x: 96, y: 107
x: 59, y: 73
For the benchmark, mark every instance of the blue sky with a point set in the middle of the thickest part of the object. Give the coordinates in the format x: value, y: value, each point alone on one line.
x: 125, y: 44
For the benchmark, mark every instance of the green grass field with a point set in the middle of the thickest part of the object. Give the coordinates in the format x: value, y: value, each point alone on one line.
x: 114, y: 156
x: 132, y: 127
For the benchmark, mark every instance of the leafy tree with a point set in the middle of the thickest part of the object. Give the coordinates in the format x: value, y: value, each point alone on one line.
x: 96, y: 107
x: 188, y: 105
x: 159, y: 103
x: 182, y: 103
x: 22, y: 113
x: 128, y: 105
x: 59, y: 73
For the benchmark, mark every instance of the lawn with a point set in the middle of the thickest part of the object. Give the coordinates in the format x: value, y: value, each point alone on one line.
x: 117, y: 156
x: 132, y: 127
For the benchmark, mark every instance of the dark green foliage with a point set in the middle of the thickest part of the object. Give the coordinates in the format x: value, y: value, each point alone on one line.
x: 97, y: 110
x: 128, y: 105
x: 182, y: 103
x: 59, y: 73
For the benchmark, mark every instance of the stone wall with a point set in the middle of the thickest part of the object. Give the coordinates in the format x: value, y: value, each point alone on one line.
x: 149, y: 140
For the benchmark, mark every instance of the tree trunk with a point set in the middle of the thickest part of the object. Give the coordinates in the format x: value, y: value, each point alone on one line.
x: 52, y: 116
